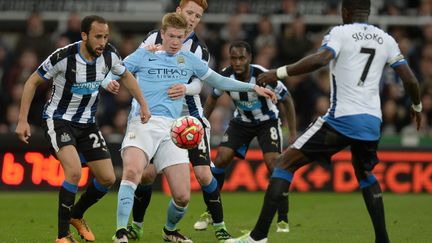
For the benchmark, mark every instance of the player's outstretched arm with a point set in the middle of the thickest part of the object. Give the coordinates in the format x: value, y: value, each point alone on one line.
x: 132, y: 85
x: 411, y: 86
x: 305, y: 65
x: 228, y: 84
x: 23, y: 128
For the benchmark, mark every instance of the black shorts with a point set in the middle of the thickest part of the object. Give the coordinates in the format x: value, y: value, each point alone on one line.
x: 239, y: 135
x: 201, y: 154
x: 87, y: 138
x: 320, y: 141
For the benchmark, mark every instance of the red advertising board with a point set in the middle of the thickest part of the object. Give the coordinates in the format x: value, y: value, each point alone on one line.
x: 398, y: 171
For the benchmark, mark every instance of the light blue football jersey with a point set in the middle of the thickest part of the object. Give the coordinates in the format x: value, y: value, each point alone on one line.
x: 156, y: 72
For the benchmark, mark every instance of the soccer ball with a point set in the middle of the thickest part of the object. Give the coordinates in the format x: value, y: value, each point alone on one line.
x: 187, y: 132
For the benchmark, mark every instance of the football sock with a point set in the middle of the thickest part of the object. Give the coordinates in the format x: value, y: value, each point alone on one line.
x: 213, y: 201
x: 65, y: 205
x: 124, y: 202
x: 174, y: 215
x: 283, y: 209
x: 372, y: 196
x: 94, y: 192
x: 142, y: 199
x: 277, y: 189
x: 219, y: 174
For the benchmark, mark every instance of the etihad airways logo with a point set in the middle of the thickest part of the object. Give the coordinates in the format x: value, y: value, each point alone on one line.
x: 167, y: 71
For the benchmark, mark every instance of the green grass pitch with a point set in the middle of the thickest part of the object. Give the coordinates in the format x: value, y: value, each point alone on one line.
x: 314, y: 217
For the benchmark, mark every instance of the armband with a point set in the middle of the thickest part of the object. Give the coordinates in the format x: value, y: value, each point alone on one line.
x: 282, y: 73
x: 417, y: 108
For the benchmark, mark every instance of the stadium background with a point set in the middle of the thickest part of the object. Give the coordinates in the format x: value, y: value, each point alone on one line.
x: 280, y: 32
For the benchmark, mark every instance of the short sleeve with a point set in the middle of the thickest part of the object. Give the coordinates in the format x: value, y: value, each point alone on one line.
x: 333, y: 41
x: 132, y: 62
x: 395, y: 57
x: 200, y: 69
x: 47, y: 70
x: 117, y: 65
x: 281, y: 91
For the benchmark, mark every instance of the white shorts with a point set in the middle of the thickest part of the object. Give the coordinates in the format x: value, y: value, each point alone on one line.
x: 154, y: 139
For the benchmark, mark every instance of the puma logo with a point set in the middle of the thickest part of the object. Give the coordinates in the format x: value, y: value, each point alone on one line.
x: 378, y: 195
x: 215, y: 201
x: 284, y: 194
x: 68, y: 207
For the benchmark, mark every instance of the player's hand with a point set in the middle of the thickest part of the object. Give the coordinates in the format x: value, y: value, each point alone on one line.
x: 113, y: 87
x: 177, y: 91
x: 23, y: 131
x: 153, y: 47
x: 144, y: 114
x: 417, y: 116
x: 265, y: 93
x: 268, y: 77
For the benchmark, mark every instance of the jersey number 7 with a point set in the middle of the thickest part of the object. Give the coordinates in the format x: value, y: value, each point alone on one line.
x: 371, y: 53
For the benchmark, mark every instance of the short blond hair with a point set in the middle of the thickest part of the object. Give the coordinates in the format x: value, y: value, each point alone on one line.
x: 202, y: 3
x: 174, y: 20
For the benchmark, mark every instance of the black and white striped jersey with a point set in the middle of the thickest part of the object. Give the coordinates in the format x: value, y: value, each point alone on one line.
x: 76, y: 82
x: 251, y: 108
x: 192, y: 105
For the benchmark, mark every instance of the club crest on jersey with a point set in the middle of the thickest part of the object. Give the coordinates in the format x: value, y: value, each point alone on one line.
x: 131, y: 135
x: 180, y: 61
x: 65, y: 137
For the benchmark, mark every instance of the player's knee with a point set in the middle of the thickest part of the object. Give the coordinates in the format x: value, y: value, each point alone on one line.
x: 221, y: 162
x: 204, y: 176
x: 73, y: 176
x: 182, y: 200
x: 132, y: 174
x: 203, y: 180
x: 107, y: 180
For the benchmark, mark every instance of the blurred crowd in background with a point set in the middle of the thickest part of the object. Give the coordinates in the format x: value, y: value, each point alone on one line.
x: 22, y: 52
